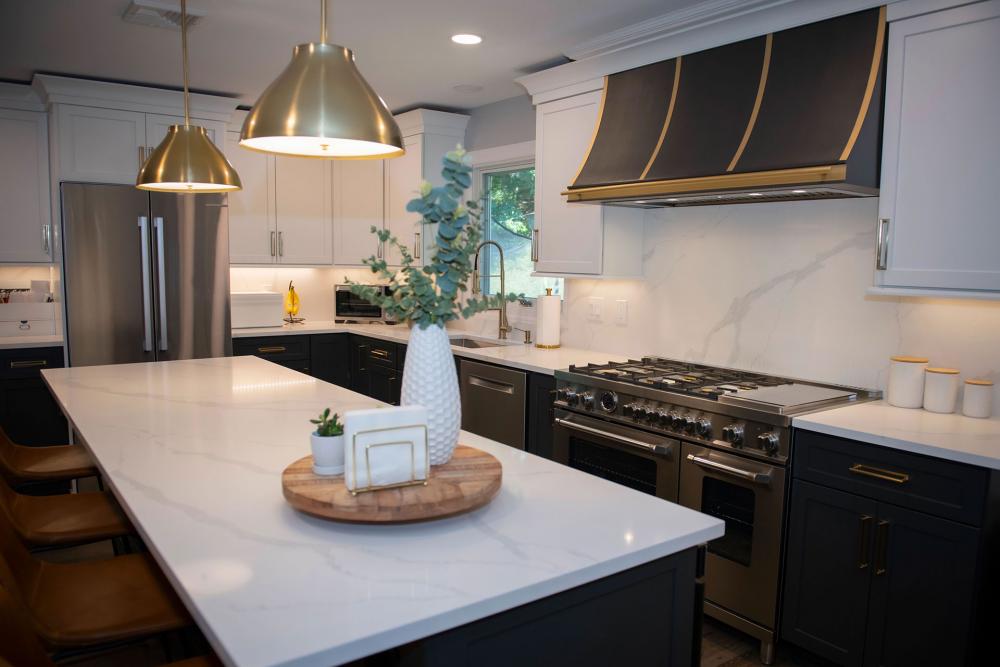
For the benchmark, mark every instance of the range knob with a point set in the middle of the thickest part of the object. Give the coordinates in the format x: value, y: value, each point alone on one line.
x: 768, y: 442
x: 609, y: 401
x: 641, y: 412
x: 703, y: 427
x: 588, y: 400
x: 628, y: 409
x: 662, y: 418
x: 690, y: 423
x: 733, y: 434
x: 676, y: 421
x: 571, y: 397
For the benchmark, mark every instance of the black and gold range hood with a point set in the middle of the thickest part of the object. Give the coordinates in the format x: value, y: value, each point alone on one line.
x: 796, y: 114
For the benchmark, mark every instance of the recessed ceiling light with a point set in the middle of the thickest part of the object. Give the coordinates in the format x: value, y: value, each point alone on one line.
x: 467, y: 88
x: 466, y: 38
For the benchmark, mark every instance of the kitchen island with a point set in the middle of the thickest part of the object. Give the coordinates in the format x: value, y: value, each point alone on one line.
x: 560, y: 565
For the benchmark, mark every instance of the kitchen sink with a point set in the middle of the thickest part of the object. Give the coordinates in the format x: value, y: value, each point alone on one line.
x: 477, y: 342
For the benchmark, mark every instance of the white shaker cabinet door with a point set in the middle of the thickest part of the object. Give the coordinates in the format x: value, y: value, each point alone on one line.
x: 99, y: 145
x: 357, y: 207
x: 303, y: 198
x: 25, y: 220
x: 253, y: 238
x: 569, y: 237
x: 940, y: 180
x: 403, y: 176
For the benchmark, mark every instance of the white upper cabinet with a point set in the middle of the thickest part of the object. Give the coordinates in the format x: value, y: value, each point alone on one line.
x: 99, y: 145
x: 577, y: 239
x: 303, y: 200
x: 25, y: 220
x: 252, y: 231
x: 940, y: 226
x: 358, y: 206
x: 403, y: 176
x: 158, y: 124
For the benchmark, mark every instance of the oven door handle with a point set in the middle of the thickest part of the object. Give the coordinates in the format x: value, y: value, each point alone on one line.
x: 623, y: 439
x: 749, y: 475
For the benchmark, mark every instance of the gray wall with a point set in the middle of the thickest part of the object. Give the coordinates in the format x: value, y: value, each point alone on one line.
x: 505, y: 122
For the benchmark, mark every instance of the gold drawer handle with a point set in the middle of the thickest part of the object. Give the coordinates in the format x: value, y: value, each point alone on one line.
x: 35, y: 363
x: 381, y: 354
x: 269, y: 350
x: 878, y: 473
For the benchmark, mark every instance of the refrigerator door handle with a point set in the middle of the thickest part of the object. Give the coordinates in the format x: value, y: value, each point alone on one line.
x: 162, y: 282
x: 147, y: 318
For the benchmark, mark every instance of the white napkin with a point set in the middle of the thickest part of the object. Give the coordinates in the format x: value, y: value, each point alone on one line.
x: 390, y: 443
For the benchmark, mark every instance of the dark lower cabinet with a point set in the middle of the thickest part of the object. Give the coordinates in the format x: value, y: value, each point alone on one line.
x: 384, y: 383
x: 376, y: 368
x: 288, y: 351
x: 28, y: 412
x: 330, y: 358
x: 871, y: 583
x: 541, y: 396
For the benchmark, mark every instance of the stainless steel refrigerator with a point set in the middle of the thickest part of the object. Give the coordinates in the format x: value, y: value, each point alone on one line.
x: 146, y: 275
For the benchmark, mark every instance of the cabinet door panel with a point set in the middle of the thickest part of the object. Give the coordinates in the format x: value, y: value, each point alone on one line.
x: 25, y: 231
x: 941, y: 139
x: 359, y: 200
x: 360, y: 376
x: 570, y: 236
x: 252, y: 235
x: 540, y: 414
x: 385, y: 385
x: 330, y: 355
x: 922, y: 590
x: 827, y: 568
x: 403, y: 176
x: 304, y: 210
x: 99, y: 145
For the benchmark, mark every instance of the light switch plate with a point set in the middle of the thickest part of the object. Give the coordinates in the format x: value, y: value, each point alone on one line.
x: 595, y: 306
x: 621, y: 312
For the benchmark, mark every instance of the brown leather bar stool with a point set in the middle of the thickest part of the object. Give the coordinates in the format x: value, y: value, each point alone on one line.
x: 63, y: 520
x: 40, y: 464
x: 77, y: 605
x: 20, y: 646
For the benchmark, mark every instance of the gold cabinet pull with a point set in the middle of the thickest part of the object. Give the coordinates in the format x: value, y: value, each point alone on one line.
x: 33, y: 363
x: 381, y: 354
x: 881, y: 547
x: 272, y: 349
x: 879, y: 473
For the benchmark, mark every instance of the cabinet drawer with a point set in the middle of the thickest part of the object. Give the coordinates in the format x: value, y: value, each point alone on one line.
x: 951, y: 490
x: 273, y: 348
x: 382, y: 353
x: 29, y: 362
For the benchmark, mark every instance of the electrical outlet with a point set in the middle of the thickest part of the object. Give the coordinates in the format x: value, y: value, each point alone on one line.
x: 595, y: 305
x: 621, y: 312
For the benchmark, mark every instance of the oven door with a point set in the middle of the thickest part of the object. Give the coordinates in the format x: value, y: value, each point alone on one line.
x: 631, y: 457
x: 741, y: 567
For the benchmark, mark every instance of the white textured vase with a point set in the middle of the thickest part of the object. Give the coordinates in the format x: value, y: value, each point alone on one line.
x: 430, y: 380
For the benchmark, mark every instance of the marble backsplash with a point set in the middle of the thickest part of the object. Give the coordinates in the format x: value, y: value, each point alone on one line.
x: 313, y: 284
x: 779, y: 288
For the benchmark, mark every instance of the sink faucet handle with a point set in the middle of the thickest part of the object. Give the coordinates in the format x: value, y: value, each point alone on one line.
x: 526, y: 332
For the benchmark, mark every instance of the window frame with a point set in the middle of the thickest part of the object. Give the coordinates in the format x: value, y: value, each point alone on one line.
x: 482, y: 175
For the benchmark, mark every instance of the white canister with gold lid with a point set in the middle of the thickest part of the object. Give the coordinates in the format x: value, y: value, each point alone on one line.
x: 977, y: 401
x: 906, y: 381
x: 940, y: 389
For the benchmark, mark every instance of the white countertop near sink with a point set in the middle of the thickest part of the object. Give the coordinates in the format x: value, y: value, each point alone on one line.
x: 193, y: 450
x: 19, y: 342
x: 954, y: 437
x: 517, y: 355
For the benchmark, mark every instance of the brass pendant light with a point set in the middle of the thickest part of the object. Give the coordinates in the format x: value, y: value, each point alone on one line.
x: 321, y: 106
x: 187, y: 160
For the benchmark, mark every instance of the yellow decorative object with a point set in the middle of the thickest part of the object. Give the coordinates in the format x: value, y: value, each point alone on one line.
x: 292, y: 303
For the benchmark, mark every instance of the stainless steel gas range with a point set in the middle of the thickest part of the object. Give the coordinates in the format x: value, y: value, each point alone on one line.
x: 714, y: 439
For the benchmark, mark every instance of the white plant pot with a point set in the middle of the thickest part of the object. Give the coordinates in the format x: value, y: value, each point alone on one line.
x: 429, y: 379
x: 328, y: 454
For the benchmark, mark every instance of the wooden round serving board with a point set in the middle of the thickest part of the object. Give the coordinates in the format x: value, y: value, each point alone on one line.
x: 469, y: 480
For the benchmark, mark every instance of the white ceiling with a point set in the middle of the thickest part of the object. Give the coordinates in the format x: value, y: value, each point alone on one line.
x: 402, y: 46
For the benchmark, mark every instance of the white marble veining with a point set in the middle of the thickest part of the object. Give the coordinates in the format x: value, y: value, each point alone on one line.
x: 18, y: 342
x: 954, y: 437
x: 779, y: 288
x: 194, y: 450
x: 516, y: 355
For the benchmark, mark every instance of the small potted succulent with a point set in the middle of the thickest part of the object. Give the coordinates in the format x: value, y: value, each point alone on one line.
x: 328, y: 444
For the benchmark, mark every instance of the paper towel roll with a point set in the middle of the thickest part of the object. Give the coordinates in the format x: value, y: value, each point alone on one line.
x: 547, y: 310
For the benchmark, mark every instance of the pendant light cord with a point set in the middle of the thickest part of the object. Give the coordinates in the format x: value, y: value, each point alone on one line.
x: 322, y: 21
x: 184, y: 57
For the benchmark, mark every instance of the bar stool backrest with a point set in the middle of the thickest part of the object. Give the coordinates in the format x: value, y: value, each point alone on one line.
x: 19, y: 570
x: 19, y: 645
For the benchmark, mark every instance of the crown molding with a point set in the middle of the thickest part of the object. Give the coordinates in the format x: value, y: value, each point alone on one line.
x: 19, y: 96
x: 703, y: 26
x: 104, y: 94
x: 430, y: 121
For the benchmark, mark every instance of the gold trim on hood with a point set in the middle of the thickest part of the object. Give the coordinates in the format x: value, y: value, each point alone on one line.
x: 597, y: 127
x: 764, y: 69
x: 828, y: 173
x: 666, y: 120
x: 870, y: 86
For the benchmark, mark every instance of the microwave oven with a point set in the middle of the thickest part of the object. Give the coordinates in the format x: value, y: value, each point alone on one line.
x: 352, y: 308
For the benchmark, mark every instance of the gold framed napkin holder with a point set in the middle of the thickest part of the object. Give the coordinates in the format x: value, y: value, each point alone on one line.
x: 386, y: 449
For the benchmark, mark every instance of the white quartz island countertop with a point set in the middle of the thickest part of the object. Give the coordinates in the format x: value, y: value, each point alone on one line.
x: 513, y: 353
x: 194, y: 451
x: 953, y: 437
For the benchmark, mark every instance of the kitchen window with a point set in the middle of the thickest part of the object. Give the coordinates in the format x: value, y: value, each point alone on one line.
x: 508, y: 200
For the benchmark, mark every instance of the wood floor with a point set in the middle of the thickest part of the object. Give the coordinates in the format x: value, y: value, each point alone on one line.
x: 722, y: 646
